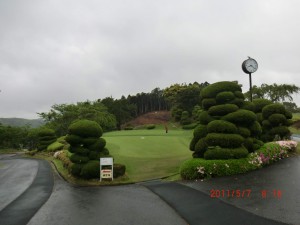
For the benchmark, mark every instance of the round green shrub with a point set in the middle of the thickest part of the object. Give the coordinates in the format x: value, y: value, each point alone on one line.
x: 99, y: 145
x: 282, y: 131
x: 241, y: 117
x: 46, y: 132
x: 128, y: 128
x: 244, y: 132
x: 260, y: 103
x: 104, y: 152
x: 255, y: 129
x: 150, y: 126
x: 200, y: 132
x: 289, y: 123
x: 94, y: 155
x: 91, y: 170
x: 82, y: 151
x: 85, y: 128
x: 221, y: 126
x: 239, y: 94
x: 277, y: 119
x: 288, y: 115
x: 212, y: 90
x: 190, y: 126
x: 248, y: 106
x: 47, y: 138
x: 225, y: 153
x: 277, y: 108
x: 221, y: 110
x: 192, y: 144
x: 75, y: 158
x: 259, y: 117
x: 208, y: 102
x: 224, y: 140
x: 200, y: 147
x: 119, y: 170
x: 224, y: 97
x: 73, y: 139
x: 205, y: 118
x: 266, y: 124
x: 238, y: 102
x: 248, y: 144
x: 76, y: 169
x: 89, y: 141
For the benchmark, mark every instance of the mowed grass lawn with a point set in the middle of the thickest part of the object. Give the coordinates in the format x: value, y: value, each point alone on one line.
x: 149, y: 154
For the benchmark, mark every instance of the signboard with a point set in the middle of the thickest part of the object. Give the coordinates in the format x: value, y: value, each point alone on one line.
x: 106, y: 161
x: 108, y: 171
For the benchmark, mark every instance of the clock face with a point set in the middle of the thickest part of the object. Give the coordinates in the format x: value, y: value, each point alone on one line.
x: 251, y: 65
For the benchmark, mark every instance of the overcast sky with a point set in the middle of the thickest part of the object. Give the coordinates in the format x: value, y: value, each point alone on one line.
x: 65, y: 51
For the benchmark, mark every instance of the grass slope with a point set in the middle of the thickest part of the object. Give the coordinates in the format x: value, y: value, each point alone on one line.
x: 149, y: 154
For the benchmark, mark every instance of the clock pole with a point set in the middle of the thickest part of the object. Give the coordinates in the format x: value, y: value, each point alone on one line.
x: 249, y: 66
x: 250, y: 81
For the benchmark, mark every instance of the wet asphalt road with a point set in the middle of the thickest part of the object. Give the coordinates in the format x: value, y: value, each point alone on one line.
x: 158, y: 202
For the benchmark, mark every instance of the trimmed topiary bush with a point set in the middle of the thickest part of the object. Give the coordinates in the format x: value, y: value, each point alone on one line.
x: 78, y: 159
x: 244, y: 132
x: 255, y: 129
x: 277, y: 119
x: 73, y: 140
x: 225, y: 97
x: 119, y: 170
x: 241, y: 117
x: 150, y: 126
x: 221, y: 110
x: 208, y: 102
x: 221, y: 126
x: 276, y: 108
x: 248, y: 106
x: 200, y: 147
x: 259, y: 104
x: 239, y: 94
x: 45, y: 138
x: 90, y: 170
x: 200, y: 131
x: 205, y: 118
x: 212, y: 90
x: 223, y: 153
x: 224, y: 140
x: 85, y: 129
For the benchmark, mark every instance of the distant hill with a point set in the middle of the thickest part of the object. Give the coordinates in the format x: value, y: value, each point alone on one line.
x: 19, y: 122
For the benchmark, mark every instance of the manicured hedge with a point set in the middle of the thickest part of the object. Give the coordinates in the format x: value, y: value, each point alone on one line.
x: 221, y: 126
x: 221, y: 110
x: 224, y: 140
x: 99, y: 145
x: 259, y: 104
x: 239, y: 94
x: 119, y: 170
x: 208, y: 102
x: 192, y: 144
x: 224, y: 97
x: 201, y: 147
x: 244, y: 132
x: 272, y: 109
x: 85, y: 128
x: 75, y: 158
x: 73, y: 139
x: 277, y: 119
x: 213, y: 89
x: 90, y: 170
x: 248, y: 106
x: 205, y: 118
x: 190, y: 126
x: 200, y: 131
x: 225, y: 153
x: 255, y: 129
x: 241, y: 117
x: 189, y: 170
x: 282, y: 131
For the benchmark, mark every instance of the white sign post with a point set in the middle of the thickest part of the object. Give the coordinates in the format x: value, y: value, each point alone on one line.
x: 107, y: 173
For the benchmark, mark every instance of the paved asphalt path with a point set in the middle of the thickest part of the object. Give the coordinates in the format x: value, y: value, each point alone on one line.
x: 158, y: 202
x: 25, y: 204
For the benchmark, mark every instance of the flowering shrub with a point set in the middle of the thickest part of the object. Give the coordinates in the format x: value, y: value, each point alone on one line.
x: 199, y: 168
x: 288, y: 145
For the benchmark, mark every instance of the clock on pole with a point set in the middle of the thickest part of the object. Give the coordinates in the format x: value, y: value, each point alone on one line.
x: 250, y: 66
